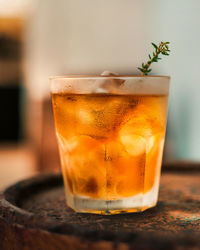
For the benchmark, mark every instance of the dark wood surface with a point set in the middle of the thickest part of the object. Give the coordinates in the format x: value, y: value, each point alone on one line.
x: 34, y: 215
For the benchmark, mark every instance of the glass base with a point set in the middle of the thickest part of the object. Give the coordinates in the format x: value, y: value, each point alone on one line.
x: 137, y: 203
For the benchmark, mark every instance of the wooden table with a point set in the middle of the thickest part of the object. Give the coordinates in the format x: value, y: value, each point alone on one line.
x: 33, y: 215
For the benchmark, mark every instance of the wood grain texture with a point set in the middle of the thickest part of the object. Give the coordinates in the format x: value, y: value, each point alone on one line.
x: 34, y: 215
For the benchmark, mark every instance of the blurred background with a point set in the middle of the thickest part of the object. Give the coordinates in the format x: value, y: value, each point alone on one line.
x: 41, y: 38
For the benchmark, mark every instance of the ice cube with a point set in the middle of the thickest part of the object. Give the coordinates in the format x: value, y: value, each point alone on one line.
x: 108, y: 84
x: 125, y: 172
x: 143, y: 130
x: 108, y: 73
x: 145, y: 121
x: 133, y: 144
x: 82, y: 159
x: 84, y: 116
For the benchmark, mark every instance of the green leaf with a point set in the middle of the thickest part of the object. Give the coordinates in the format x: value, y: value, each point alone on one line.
x: 142, y: 70
x: 149, y: 57
x: 155, y: 46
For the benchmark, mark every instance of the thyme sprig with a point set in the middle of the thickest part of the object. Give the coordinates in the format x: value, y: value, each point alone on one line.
x: 163, y: 49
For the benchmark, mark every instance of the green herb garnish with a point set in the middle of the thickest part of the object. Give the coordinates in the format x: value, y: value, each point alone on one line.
x: 163, y: 49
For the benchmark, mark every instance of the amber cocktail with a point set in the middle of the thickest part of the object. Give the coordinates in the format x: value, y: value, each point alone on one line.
x: 111, y: 133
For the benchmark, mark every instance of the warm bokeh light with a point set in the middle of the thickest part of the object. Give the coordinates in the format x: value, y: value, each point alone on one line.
x: 15, y: 8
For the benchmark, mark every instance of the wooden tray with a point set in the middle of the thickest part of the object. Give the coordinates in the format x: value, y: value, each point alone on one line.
x: 33, y: 215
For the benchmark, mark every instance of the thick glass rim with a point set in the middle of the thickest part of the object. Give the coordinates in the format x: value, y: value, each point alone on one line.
x: 123, y: 84
x: 106, y: 76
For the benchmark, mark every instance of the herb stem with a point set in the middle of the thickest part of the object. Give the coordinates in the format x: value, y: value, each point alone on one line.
x: 163, y: 49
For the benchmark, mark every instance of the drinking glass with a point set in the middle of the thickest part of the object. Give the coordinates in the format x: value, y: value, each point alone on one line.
x: 110, y: 132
